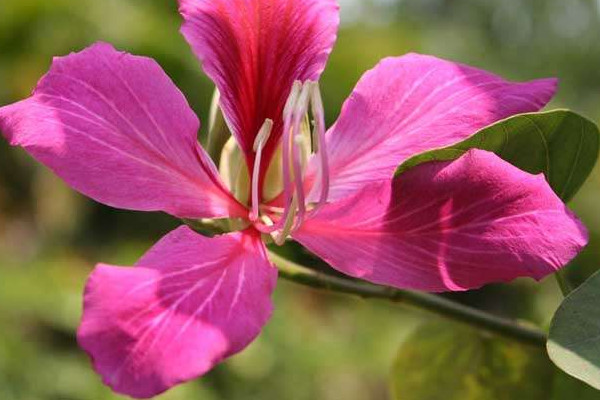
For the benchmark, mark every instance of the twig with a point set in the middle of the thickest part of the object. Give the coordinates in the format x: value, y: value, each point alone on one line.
x: 432, y: 303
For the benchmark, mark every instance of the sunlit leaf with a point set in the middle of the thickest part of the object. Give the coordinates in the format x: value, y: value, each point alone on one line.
x: 574, y: 340
x: 444, y: 361
x: 561, y: 144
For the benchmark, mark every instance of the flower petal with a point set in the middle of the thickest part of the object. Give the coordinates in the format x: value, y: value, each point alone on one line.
x: 254, y: 50
x: 411, y: 104
x: 190, y: 302
x: 114, y: 127
x: 448, y: 226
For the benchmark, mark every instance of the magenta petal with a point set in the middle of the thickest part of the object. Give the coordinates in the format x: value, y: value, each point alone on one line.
x: 410, y: 104
x: 190, y: 302
x: 114, y: 127
x: 448, y: 226
x: 254, y: 50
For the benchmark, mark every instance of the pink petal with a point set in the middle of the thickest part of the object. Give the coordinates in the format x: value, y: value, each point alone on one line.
x: 448, y: 226
x: 411, y: 104
x: 189, y: 303
x: 254, y: 50
x: 114, y: 127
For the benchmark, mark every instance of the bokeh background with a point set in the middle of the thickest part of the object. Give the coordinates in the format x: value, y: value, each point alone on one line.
x: 318, y: 345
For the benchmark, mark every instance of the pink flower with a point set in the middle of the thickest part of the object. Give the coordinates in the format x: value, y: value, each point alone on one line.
x: 115, y: 128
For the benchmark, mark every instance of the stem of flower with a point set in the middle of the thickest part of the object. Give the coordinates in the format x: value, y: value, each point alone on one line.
x: 563, y: 282
x: 429, y: 302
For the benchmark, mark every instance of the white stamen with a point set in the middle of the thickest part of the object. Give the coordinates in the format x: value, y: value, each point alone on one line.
x: 295, y: 117
x: 314, y: 137
x: 287, y: 223
x: 263, y: 134
x: 259, y: 143
x: 299, y: 112
x: 303, y: 99
x: 316, y: 100
x: 319, y: 116
x: 285, y: 155
x: 292, y: 98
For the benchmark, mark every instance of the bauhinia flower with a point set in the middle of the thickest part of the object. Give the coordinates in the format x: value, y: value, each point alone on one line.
x: 115, y: 128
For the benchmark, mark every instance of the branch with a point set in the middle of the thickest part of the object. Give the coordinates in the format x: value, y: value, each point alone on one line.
x: 564, y: 283
x: 432, y: 303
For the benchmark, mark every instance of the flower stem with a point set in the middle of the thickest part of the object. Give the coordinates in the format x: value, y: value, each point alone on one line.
x: 432, y: 303
x: 563, y: 282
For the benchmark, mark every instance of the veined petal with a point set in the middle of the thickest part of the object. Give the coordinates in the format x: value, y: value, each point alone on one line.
x: 254, y: 50
x: 115, y: 127
x: 411, y: 104
x: 448, y: 226
x: 190, y: 302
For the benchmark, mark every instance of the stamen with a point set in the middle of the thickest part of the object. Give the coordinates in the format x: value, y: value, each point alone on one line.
x: 288, y: 115
x: 287, y: 223
x: 314, y: 136
x: 259, y: 143
x: 263, y: 134
x: 292, y: 99
x: 319, y: 116
x: 285, y: 155
x: 300, y: 111
x: 295, y: 126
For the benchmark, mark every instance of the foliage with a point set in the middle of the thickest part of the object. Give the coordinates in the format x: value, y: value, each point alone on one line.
x: 560, y: 144
x: 574, y: 340
x: 442, y: 361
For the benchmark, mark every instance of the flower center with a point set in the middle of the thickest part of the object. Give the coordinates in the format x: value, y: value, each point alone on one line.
x: 294, y: 144
x: 284, y: 177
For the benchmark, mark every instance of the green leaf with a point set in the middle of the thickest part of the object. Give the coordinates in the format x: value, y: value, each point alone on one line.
x: 447, y: 361
x: 561, y: 144
x: 574, y: 340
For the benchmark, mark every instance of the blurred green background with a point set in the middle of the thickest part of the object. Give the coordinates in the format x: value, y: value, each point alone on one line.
x: 318, y: 345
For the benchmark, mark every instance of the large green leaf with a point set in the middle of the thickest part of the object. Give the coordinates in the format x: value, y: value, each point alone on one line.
x: 574, y: 340
x: 444, y: 361
x: 561, y: 144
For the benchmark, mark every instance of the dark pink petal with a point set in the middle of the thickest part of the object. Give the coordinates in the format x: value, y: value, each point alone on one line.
x: 189, y: 303
x: 448, y: 226
x: 254, y: 50
x: 114, y: 127
x: 415, y: 103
